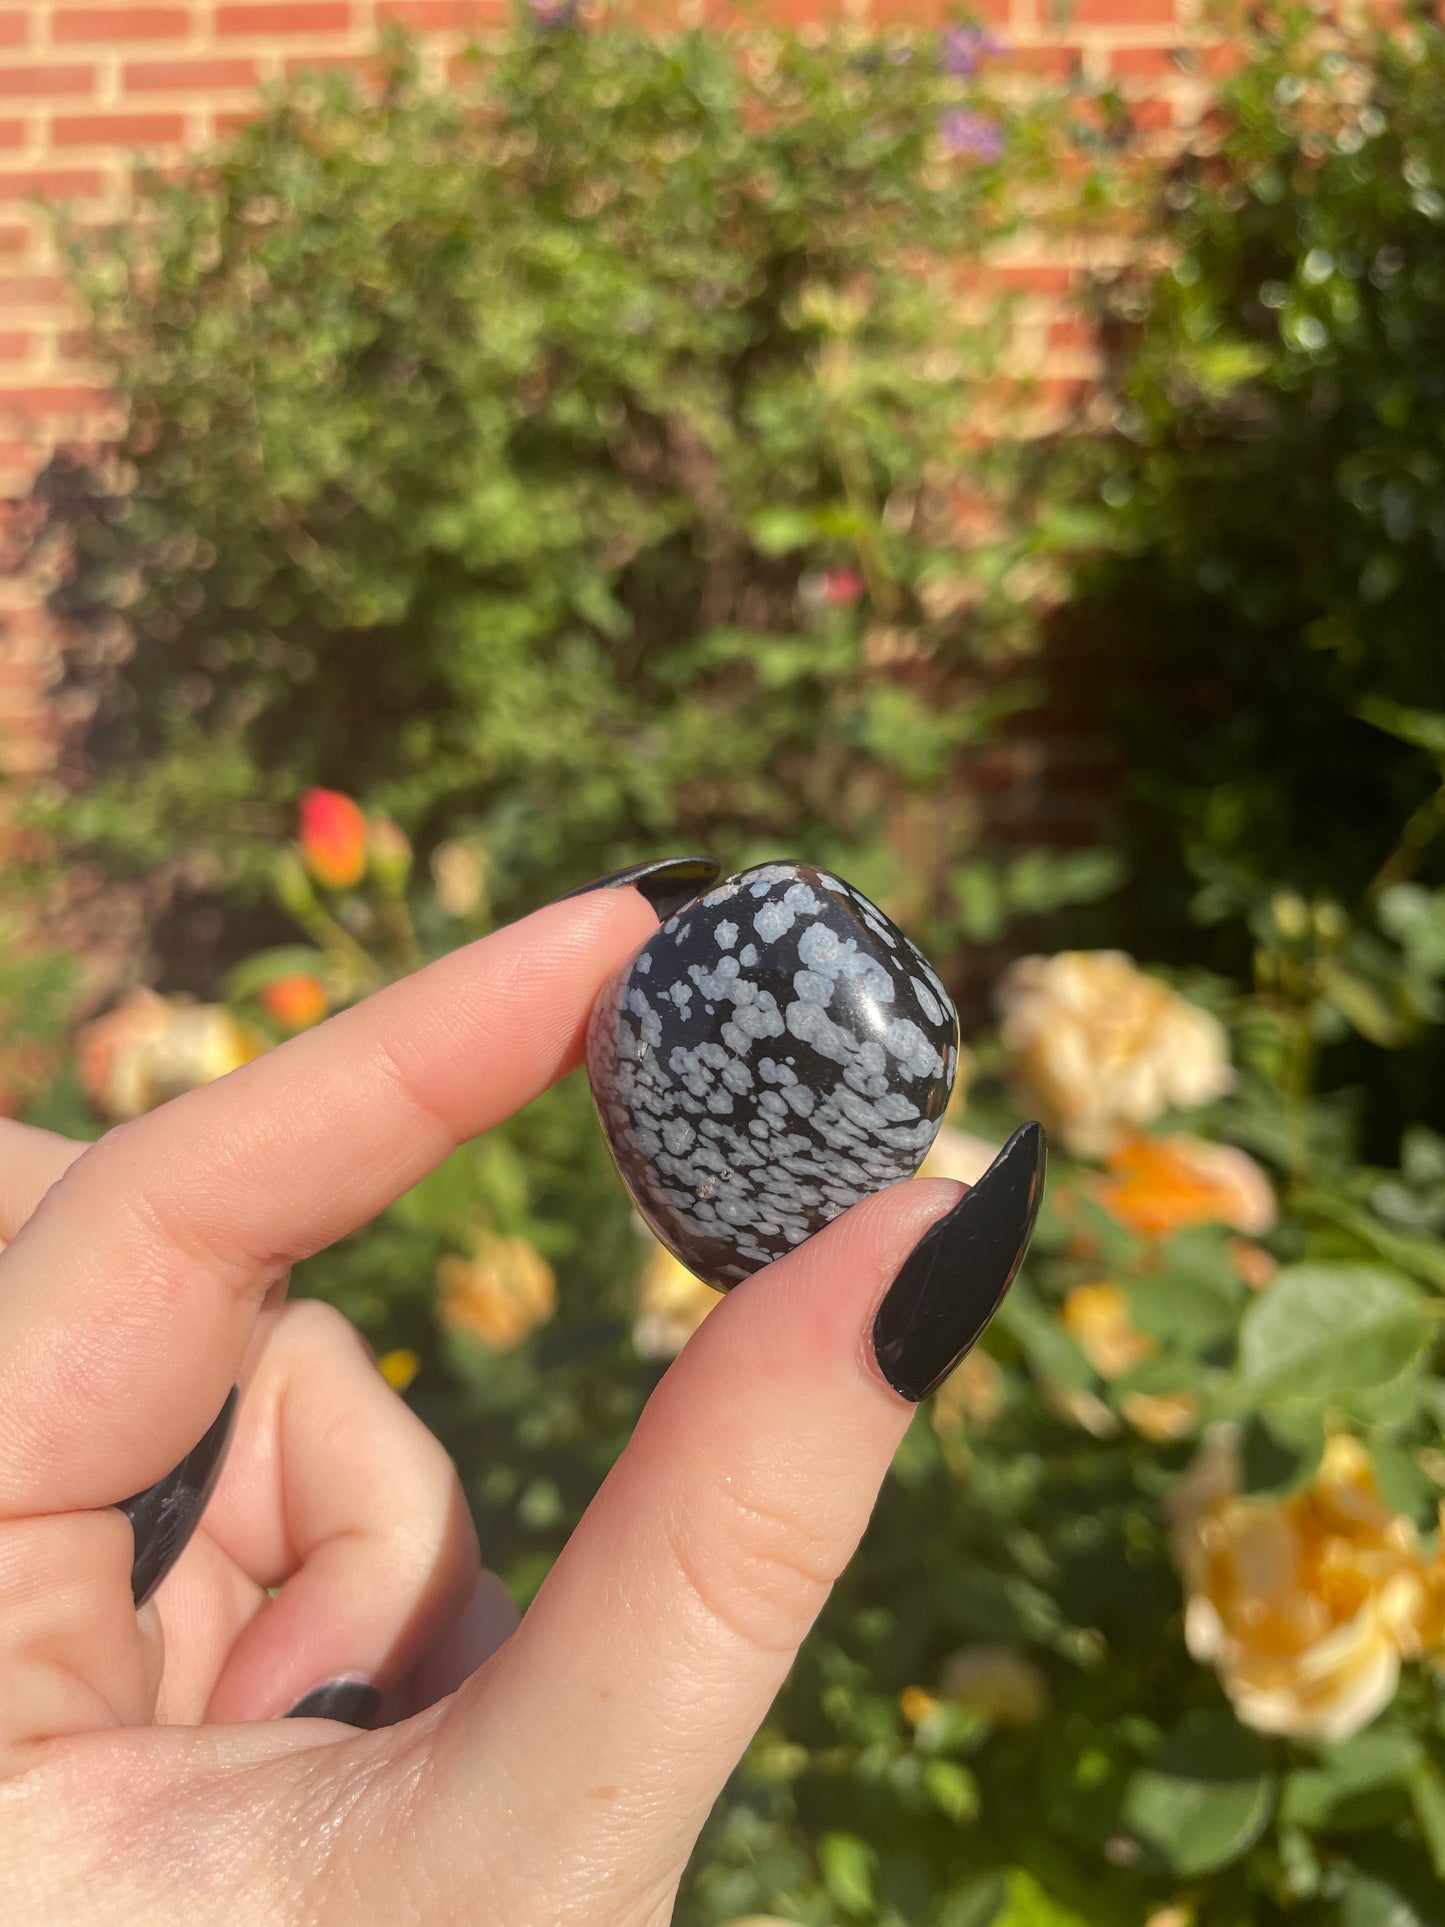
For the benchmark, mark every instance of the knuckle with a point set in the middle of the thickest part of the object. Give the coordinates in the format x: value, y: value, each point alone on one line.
x: 762, y: 1572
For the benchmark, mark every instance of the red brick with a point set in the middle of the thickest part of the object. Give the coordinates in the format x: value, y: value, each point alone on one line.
x: 32, y: 290
x: 15, y: 239
x: 14, y: 344
x: 272, y: 17
x: 103, y: 26
x: 14, y: 27
x: 436, y: 15
x: 1055, y: 63
x: 27, y: 83
x: 50, y: 183
x: 116, y: 130
x: 187, y: 76
x: 53, y: 398
x: 12, y: 133
x: 230, y: 120
x: 1071, y: 333
x: 1151, y: 116
x: 1132, y: 62
x: 1123, y: 13
x: 1041, y: 277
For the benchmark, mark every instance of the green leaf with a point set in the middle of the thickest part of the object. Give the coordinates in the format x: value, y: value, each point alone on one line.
x: 952, y: 1789
x: 1325, y: 1328
x: 1337, y: 1791
x: 1427, y: 1795
x: 1203, y: 1799
x: 255, y: 972
x: 1276, y: 1457
x: 847, y: 1863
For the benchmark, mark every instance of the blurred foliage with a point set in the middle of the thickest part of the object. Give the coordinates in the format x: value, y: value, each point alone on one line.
x: 572, y: 468
x: 1277, y: 497
x: 578, y: 456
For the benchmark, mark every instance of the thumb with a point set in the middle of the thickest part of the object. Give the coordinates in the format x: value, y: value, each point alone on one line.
x: 612, y: 1718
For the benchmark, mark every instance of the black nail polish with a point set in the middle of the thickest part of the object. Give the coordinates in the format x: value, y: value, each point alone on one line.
x: 667, y: 884
x: 164, y: 1516
x: 955, y: 1278
x: 351, y: 1701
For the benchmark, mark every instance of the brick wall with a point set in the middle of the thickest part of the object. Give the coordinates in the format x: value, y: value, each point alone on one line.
x: 85, y: 88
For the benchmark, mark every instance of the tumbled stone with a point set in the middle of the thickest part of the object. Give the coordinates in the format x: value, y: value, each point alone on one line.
x: 776, y: 1052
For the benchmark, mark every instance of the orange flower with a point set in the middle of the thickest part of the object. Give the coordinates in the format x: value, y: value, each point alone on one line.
x: 1157, y: 1185
x: 499, y: 1294
x: 973, y: 1394
x: 295, y: 1002
x: 333, y: 838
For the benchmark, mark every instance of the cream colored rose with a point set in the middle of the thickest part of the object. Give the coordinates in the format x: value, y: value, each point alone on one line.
x: 1307, y: 1606
x: 502, y: 1292
x: 1102, y: 1049
x: 671, y: 1304
x: 151, y: 1048
x: 958, y: 1155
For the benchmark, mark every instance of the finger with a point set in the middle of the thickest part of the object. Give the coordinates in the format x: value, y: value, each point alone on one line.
x: 615, y: 1713
x: 131, y: 1292
x: 336, y: 1493
x: 30, y: 1162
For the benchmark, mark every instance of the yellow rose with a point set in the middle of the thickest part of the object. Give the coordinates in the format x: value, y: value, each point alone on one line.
x: 151, y: 1048
x: 1304, y: 1606
x: 1001, y: 1682
x: 1156, y: 1185
x: 499, y: 1294
x: 671, y: 1304
x: 971, y: 1395
x: 1161, y: 1416
x: 1103, y: 1049
x: 1097, y: 1318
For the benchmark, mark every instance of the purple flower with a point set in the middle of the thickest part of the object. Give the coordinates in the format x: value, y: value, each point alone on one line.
x: 972, y: 134
x: 966, y: 48
x: 549, y: 16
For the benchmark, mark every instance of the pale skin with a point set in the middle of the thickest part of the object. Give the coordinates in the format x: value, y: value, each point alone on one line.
x: 555, y: 1773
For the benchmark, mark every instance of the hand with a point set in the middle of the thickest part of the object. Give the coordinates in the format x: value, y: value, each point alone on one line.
x: 559, y: 1775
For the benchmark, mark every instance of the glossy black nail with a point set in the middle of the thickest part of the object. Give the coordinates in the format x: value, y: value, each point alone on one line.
x: 955, y: 1278
x: 350, y: 1700
x: 164, y: 1516
x: 667, y: 884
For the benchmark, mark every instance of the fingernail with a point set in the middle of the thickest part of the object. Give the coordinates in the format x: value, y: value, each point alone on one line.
x: 667, y: 885
x: 164, y: 1516
x: 352, y: 1701
x: 955, y: 1278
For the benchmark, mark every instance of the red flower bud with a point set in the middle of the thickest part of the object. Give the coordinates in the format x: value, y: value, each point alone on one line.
x: 333, y: 839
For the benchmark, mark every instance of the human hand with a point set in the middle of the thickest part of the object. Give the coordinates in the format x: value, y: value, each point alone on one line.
x: 559, y: 1775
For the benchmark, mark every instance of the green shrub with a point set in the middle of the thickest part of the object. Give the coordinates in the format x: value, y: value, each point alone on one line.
x: 1277, y: 491
x: 578, y: 457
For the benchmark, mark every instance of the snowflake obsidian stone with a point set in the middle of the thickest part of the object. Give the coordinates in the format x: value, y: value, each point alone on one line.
x: 776, y: 1052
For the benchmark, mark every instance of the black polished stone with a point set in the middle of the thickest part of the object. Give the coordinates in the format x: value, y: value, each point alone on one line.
x: 778, y: 1051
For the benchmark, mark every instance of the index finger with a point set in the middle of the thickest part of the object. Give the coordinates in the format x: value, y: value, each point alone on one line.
x: 129, y: 1297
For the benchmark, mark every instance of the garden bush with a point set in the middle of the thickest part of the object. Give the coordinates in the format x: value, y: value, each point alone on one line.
x: 1277, y: 497
x: 458, y: 477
